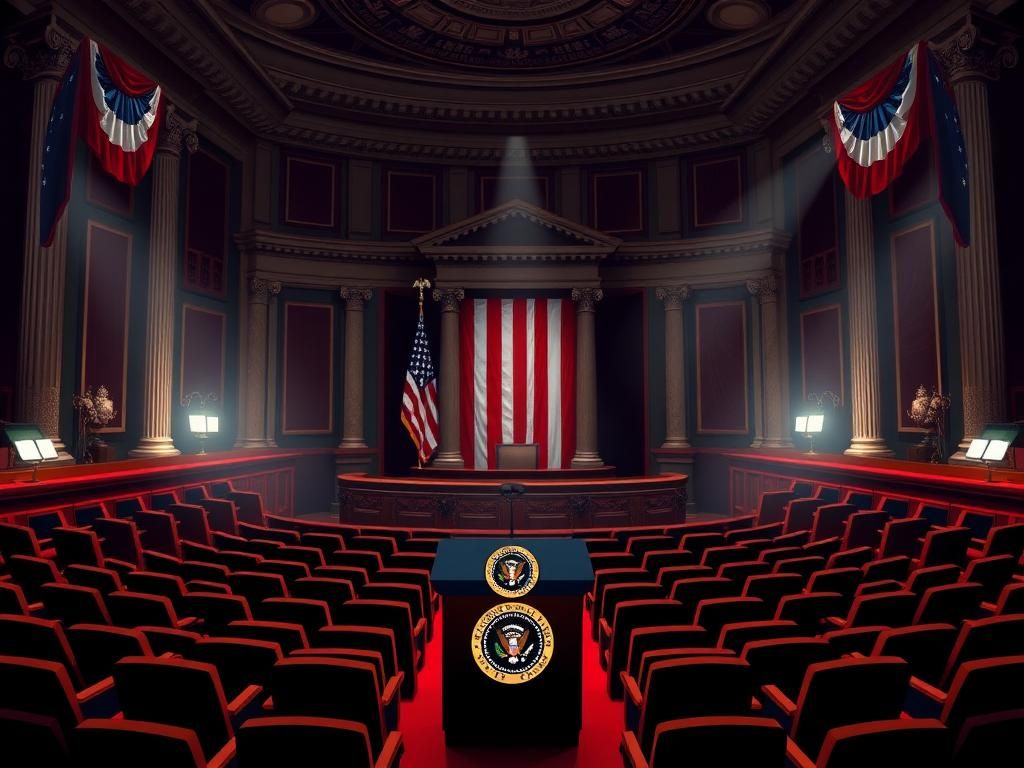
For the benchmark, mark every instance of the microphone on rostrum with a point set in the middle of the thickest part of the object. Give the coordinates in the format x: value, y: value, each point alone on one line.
x: 509, y: 491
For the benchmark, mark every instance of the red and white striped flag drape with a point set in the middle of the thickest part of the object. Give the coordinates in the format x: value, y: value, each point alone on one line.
x: 518, y: 379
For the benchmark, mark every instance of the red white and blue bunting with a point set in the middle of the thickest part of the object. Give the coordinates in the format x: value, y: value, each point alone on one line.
x: 115, y: 109
x: 878, y: 126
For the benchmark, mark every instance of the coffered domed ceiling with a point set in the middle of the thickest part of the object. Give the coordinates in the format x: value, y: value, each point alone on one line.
x: 512, y: 35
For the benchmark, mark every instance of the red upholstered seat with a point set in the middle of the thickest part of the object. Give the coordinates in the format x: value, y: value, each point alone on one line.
x: 734, y: 741
x: 268, y: 742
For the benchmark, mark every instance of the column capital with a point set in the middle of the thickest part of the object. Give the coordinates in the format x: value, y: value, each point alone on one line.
x: 973, y: 52
x: 673, y: 295
x: 449, y: 298
x: 355, y: 298
x: 177, y: 132
x: 766, y: 288
x: 586, y: 298
x: 260, y: 289
x: 43, y: 57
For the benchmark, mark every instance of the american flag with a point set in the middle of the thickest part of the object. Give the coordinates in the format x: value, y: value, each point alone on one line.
x: 419, y: 398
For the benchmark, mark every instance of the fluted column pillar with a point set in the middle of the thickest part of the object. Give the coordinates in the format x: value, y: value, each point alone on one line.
x: 970, y: 59
x: 449, y: 449
x: 352, y: 424
x: 586, y: 379
x: 675, y: 366
x: 175, y: 134
x: 776, y: 433
x: 865, y: 398
x: 257, y: 373
x: 42, y: 290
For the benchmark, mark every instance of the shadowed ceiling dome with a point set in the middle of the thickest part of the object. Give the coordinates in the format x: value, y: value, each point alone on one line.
x: 513, y: 34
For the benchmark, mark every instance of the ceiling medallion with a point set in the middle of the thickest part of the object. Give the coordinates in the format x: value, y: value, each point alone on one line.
x: 738, y: 15
x: 285, y: 14
x: 514, y: 34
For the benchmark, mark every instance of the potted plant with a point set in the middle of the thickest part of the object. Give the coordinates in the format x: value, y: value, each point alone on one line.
x: 929, y: 411
x: 93, y: 411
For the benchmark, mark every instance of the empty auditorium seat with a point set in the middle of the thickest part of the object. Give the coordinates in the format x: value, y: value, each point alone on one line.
x: 216, y: 610
x: 268, y: 742
x: 990, y: 740
x: 863, y: 529
x: 119, y: 539
x: 949, y: 604
x: 992, y: 573
x: 98, y: 647
x: 843, y: 692
x: 690, y: 592
x: 945, y: 546
x: 896, y: 568
x: 734, y: 741
x: 309, y: 685
x: 667, y: 575
x: 984, y: 639
x: 726, y: 686
x: 925, y: 647
x: 881, y: 744
x: 106, y: 580
x: 257, y: 587
x: 35, y: 638
x: 177, y: 692
x: 30, y: 740
x: 1003, y: 540
x: 221, y: 515
x: 31, y: 573
x: 311, y: 615
x: 135, y: 609
x: 73, y: 604
x: 714, y: 613
x: 39, y: 687
x: 393, y: 616
x: 18, y: 540
x: 783, y: 662
x: 888, y: 609
x: 924, y: 578
x: 165, y: 640
x: 983, y: 687
x: 241, y: 662
x: 12, y: 599
x: 287, y: 635
x: 130, y: 743
x: 771, y: 588
x: 158, y: 532
x: 736, y: 635
x: 147, y: 582
x: 810, y: 609
x: 629, y: 616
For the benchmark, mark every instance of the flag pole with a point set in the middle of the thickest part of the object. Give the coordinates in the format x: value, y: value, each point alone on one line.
x: 420, y: 284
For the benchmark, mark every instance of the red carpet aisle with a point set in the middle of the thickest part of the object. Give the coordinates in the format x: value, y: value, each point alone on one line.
x: 424, y: 739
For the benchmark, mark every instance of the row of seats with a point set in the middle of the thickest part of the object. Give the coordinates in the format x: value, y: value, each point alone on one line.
x: 809, y: 643
x: 320, y: 629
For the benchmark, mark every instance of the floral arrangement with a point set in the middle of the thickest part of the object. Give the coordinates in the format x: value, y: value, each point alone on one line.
x: 94, y: 411
x: 929, y: 410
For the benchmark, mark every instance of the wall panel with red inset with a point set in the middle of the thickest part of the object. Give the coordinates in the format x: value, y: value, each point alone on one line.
x: 308, y: 372
x: 722, y: 389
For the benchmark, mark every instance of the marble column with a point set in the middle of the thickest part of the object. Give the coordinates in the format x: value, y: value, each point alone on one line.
x: 675, y: 366
x: 42, y: 291
x: 586, y: 455
x: 776, y: 433
x: 257, y: 368
x: 270, y: 430
x: 157, y: 408
x: 352, y: 424
x: 971, y: 58
x: 449, y: 449
x: 865, y: 397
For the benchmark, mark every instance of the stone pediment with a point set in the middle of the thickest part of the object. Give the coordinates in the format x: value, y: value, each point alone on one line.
x: 516, y: 231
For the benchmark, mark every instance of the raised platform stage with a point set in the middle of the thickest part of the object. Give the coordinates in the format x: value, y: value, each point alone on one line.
x: 512, y: 475
x: 563, y: 502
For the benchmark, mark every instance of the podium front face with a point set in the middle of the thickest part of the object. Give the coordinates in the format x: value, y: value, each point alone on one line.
x: 512, y: 628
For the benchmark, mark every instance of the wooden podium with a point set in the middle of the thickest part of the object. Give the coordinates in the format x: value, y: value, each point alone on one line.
x: 540, y: 700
